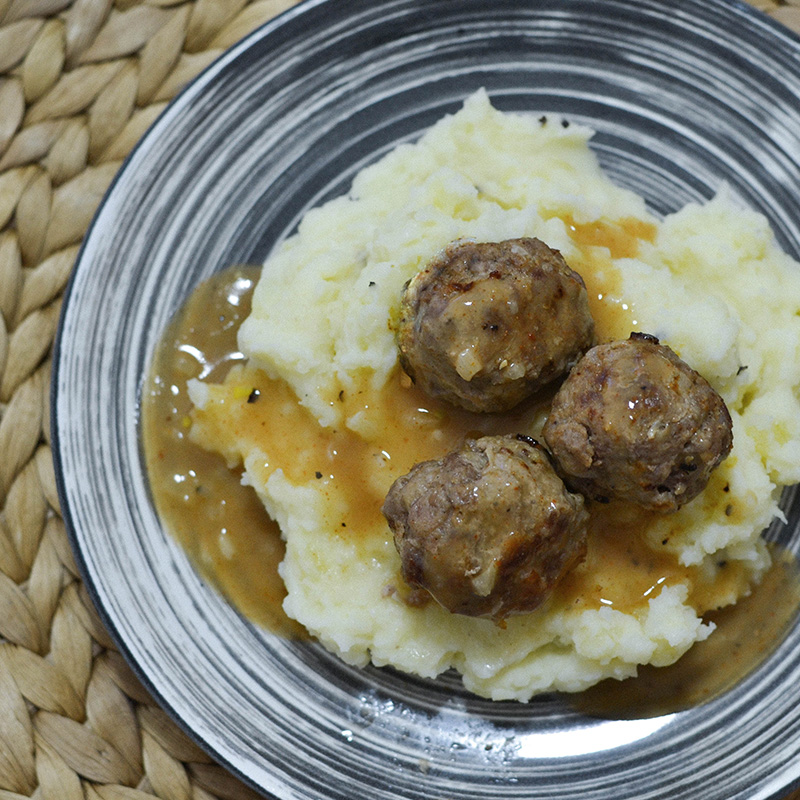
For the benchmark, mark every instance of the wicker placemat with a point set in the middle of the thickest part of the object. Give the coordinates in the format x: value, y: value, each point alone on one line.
x: 80, y: 81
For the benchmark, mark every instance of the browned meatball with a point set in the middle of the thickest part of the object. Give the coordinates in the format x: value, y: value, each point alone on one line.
x: 489, y: 529
x: 486, y: 325
x: 633, y: 421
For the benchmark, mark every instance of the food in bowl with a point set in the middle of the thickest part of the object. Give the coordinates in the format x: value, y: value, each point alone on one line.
x: 321, y: 419
x: 485, y: 325
x: 490, y: 529
x: 634, y: 422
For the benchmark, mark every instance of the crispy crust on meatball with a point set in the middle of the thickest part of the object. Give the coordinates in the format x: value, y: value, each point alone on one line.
x: 488, y: 530
x: 485, y: 325
x: 634, y: 422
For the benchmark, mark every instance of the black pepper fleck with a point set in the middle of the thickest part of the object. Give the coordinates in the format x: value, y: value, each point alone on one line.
x: 253, y: 396
x: 318, y: 475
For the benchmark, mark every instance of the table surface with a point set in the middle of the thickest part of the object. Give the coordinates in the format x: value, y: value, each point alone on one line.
x: 80, y: 82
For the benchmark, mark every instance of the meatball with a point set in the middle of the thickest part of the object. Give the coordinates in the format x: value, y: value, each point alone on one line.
x: 635, y: 422
x: 489, y: 529
x: 486, y: 325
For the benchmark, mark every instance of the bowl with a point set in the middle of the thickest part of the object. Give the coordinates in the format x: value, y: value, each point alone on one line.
x: 685, y: 97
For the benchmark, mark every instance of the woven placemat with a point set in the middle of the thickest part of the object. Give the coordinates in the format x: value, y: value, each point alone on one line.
x: 79, y: 84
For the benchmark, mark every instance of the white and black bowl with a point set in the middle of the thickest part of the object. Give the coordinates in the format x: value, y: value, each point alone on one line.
x: 684, y: 95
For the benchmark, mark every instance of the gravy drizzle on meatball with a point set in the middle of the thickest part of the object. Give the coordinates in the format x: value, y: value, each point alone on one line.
x: 488, y: 530
x: 633, y: 421
x: 485, y: 325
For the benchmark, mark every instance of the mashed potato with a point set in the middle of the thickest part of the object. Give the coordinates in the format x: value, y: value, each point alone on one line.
x: 334, y: 422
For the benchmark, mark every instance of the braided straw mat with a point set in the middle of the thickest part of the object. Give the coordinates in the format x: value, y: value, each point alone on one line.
x: 80, y: 81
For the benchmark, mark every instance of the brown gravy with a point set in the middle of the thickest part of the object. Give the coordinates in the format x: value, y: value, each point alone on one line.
x: 220, y: 523
x: 745, y: 635
x: 226, y: 531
